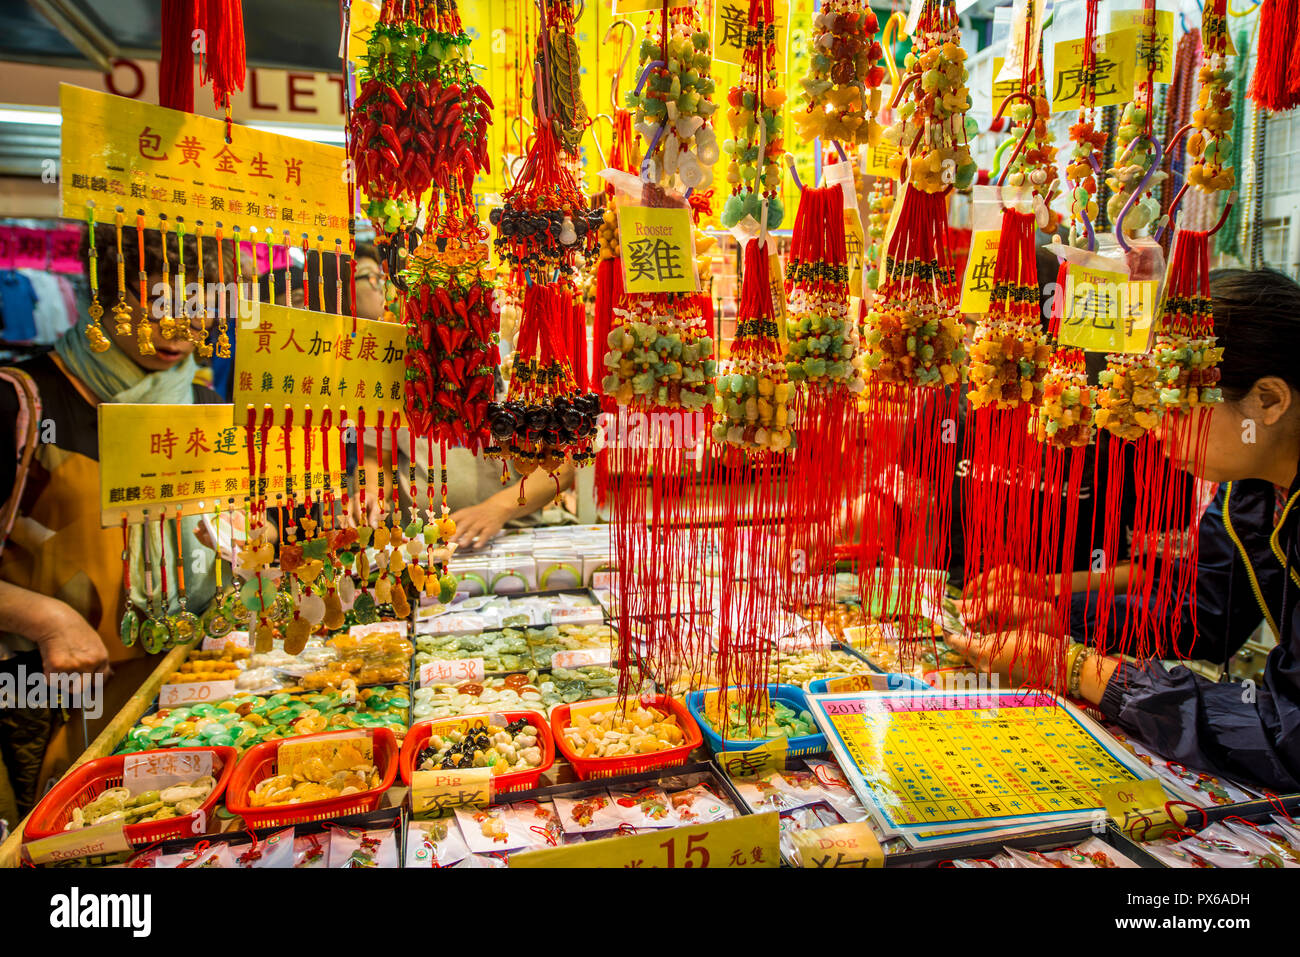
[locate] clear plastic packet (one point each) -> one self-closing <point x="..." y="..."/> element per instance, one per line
<point x="1174" y="854"/>
<point x="700" y="805"/>
<point x="810" y="817"/>
<point x="592" y="814"/>
<point x="1259" y="839"/>
<point x="311" y="850"/>
<point x="491" y="829"/>
<point x="275" y="851"/>
<point x="996" y="861"/>
<point x="769" y="792"/>
<point x="435" y="843"/>
<point x="648" y="807"/>
<point x="1287" y="830"/>
<point x="540" y="822"/>
<point x="492" y="860"/>
<point x="214" y="855"/>
<point x="837" y="789"/>
<point x="362" y="848"/>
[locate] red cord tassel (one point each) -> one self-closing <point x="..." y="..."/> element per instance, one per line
<point x="1276" y="83"/>
<point x="222" y="22"/>
<point x="176" y="65"/>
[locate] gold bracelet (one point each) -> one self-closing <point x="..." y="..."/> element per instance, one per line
<point x="1070" y="657"/>
<point x="1076" y="671"/>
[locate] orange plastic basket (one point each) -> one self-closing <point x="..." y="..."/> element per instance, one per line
<point x="83" y="784"/>
<point x="259" y="763"/>
<point x="587" y="768"/>
<point x="419" y="735"/>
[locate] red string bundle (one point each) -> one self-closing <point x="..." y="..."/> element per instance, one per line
<point x="176" y="60"/>
<point x="1276" y="83"/>
<point x="222" y="22"/>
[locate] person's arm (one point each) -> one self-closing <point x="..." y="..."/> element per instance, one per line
<point x="478" y="524"/>
<point x="67" y="642"/>
<point x="1091" y="581"/>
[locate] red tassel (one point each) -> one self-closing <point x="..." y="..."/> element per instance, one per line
<point x="1276" y="83"/>
<point x="176" y="66"/>
<point x="222" y="22"/>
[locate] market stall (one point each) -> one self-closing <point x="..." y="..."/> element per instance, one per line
<point x="894" y="534"/>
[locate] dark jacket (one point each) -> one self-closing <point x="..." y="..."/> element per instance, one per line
<point x="1244" y="732"/>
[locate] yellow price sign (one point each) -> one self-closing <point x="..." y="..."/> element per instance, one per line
<point x="1114" y="71"/>
<point x="437" y="792"/>
<point x="1158" y="49"/>
<point x="751" y="840"/>
<point x="840" y="845"/>
<point x="151" y="455"/>
<point x="1142" y="809"/>
<point x="731" y="23"/>
<point x="862" y="682"/>
<point x="855" y="246"/>
<point x="299" y="358"/>
<point x="293" y="755"/>
<point x="977" y="284"/>
<point x="1002" y="88"/>
<point x="878" y="158"/>
<point x="768" y="756"/>
<point x="93" y="841"/>
<point x="117" y="151"/>
<point x="658" y="249"/>
<point x="1105" y="311"/>
<point x="361" y="23"/>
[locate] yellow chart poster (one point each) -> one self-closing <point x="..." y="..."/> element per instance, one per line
<point x="121" y="152"/>
<point x="299" y="358"/>
<point x="153" y="455"/>
<point x="938" y="767"/>
<point x="1114" y="66"/>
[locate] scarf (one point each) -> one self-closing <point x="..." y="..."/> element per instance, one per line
<point x="113" y="377"/>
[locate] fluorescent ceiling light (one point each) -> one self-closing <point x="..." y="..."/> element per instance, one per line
<point x="318" y="134"/>
<point x="30" y="115"/>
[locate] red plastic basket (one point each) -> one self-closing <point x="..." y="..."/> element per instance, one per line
<point x="88" y="781"/>
<point x="587" y="768"/>
<point x="259" y="763"/>
<point x="419" y="735"/>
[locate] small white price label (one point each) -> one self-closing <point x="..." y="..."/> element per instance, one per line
<point x="380" y="628"/>
<point x="451" y="672"/>
<point x="582" y="657"/>
<point x="194" y="692"/>
<point x="580" y="615"/>
<point x="603" y="580"/>
<point x="235" y="639"/>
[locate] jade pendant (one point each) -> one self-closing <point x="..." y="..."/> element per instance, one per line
<point x="154" y="636"/>
<point x="364" y="608"/>
<point x="129" y="630"/>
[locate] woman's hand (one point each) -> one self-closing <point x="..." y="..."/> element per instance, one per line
<point x="1022" y="657"/>
<point x="68" y="644"/>
<point x="1007" y="599"/>
<point x="479" y="524"/>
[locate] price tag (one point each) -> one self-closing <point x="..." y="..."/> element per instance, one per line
<point x="603" y="580"/>
<point x="155" y="770"/>
<point x="577" y="615"/>
<point x="380" y="628"/>
<point x="437" y="792"/>
<point x="658" y="249"/>
<point x="1142" y="809"/>
<point x="1105" y="311"/>
<point x="235" y="639"/>
<point x="862" y="682"/>
<point x="747" y="841"/>
<point x="582" y="657"/>
<point x="768" y="756"/>
<point x="977" y="285"/>
<point x="840" y="845"/>
<point x="451" y="672"/>
<point x="70" y="845"/>
<point x="194" y="692"/>
<point x="1116" y="56"/>
<point x="293" y="754"/>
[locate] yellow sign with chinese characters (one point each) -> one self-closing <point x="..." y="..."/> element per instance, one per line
<point x="299" y="358"/>
<point x="636" y="6"/>
<point x="977" y="285"/>
<point x="153" y="455"/>
<point x="731" y="22"/>
<point x="751" y="840"/>
<point x="1114" y="69"/>
<point x="437" y="792"/>
<point x="1002" y="88"/>
<point x="121" y="152"/>
<point x="855" y="246"/>
<point x="853" y="844"/>
<point x="768" y="756"/>
<point x="1142" y="809"/>
<point x="878" y="158"/>
<point x="658" y="249"/>
<point x="1161" y="51"/>
<point x="1105" y="311"/>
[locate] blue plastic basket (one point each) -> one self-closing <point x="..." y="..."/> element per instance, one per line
<point x="893" y="681"/>
<point x="791" y="696"/>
